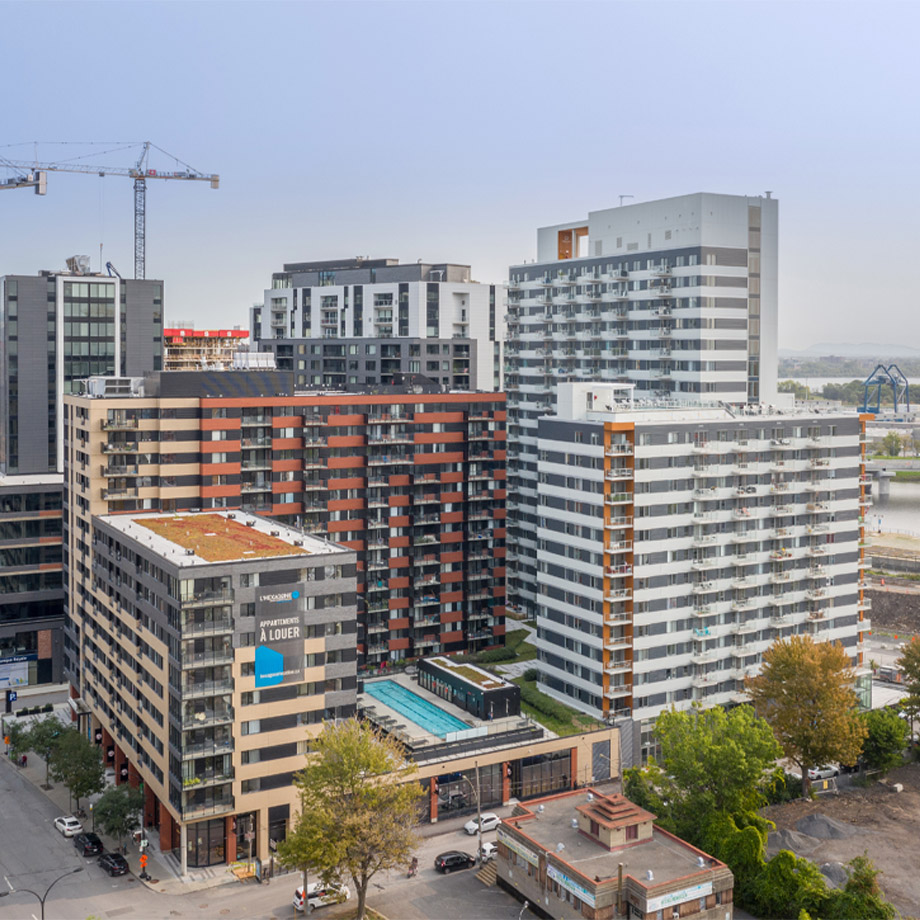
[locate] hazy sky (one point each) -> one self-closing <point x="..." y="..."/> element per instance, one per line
<point x="450" y="131"/>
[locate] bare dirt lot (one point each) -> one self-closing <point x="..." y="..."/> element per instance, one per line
<point x="883" y="824"/>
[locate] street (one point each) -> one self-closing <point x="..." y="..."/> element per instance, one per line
<point x="33" y="854"/>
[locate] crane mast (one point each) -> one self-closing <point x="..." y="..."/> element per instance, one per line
<point x="35" y="175"/>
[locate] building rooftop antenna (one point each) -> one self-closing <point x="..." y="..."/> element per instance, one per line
<point x="621" y="197"/>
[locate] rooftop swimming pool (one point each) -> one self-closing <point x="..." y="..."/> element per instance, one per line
<point x="414" y="708"/>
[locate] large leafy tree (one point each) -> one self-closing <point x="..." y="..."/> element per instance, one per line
<point x="77" y="763"/>
<point x="861" y="896"/>
<point x="909" y="663"/>
<point x="19" y="739"/>
<point x="886" y="738"/>
<point x="358" y="807"/>
<point x="805" y="692"/>
<point x="711" y="761"/>
<point x="118" y="810"/>
<point x="43" y="738"/>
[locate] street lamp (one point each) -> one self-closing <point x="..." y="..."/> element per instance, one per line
<point x="42" y="899"/>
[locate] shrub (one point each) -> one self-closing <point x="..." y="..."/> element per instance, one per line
<point x="496" y="654"/>
<point x="532" y="674"/>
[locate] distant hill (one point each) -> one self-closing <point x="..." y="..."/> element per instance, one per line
<point x="846" y="350"/>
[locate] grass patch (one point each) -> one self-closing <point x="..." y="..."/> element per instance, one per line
<point x="523" y="651"/>
<point x="907" y="476"/>
<point x="557" y="717"/>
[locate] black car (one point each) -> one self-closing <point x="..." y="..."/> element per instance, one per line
<point x="452" y="860"/>
<point x="113" y="863"/>
<point x="88" y="844"/>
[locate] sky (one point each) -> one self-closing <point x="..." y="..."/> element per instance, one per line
<point x="451" y="131"/>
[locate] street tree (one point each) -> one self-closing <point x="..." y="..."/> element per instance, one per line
<point x="19" y="739"/>
<point x="359" y="806"/>
<point x="43" y="738"/>
<point x="77" y="763"/>
<point x="805" y="692"/>
<point x="118" y="811"/>
<point x="712" y="760"/>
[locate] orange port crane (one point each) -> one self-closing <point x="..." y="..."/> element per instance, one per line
<point x="33" y="175"/>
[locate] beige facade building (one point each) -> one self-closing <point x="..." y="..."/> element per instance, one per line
<point x="204" y="650"/>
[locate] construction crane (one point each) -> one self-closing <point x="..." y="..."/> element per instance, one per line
<point x="34" y="176"/>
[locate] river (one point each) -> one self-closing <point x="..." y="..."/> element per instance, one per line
<point x="900" y="512"/>
<point x="816" y="383"/>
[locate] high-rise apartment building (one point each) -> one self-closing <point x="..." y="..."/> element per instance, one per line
<point x="31" y="586"/>
<point x="414" y="483"/>
<point x="677" y="544"/>
<point x="676" y="296"/>
<point x="58" y="328"/>
<point x="188" y="349"/>
<point x="204" y="651"/>
<point x="423" y="318"/>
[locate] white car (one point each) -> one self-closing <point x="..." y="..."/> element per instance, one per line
<point x="68" y="825"/>
<point x="319" y="894"/>
<point x="490" y="821"/>
<point x="828" y="771"/>
<point x="489" y="851"/>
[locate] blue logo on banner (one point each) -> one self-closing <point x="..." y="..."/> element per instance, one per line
<point x="295" y="595"/>
<point x="269" y="666"/>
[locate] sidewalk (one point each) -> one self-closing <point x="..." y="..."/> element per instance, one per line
<point x="163" y="868"/>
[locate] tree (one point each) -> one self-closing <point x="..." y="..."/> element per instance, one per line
<point x="799" y="390"/>
<point x="77" y="763"/>
<point x="358" y="807"/>
<point x="788" y="885"/>
<point x="886" y="738"/>
<point x="909" y="664"/>
<point x="43" y="737"/>
<point x="118" y="810"/>
<point x="860" y="896"/>
<point x="19" y="739"/>
<point x="805" y="692"/>
<point x="891" y="444"/>
<point x="712" y="760"/>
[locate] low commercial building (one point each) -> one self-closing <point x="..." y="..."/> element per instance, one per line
<point x="207" y="650"/>
<point x="583" y="854"/>
<point x="465" y="761"/>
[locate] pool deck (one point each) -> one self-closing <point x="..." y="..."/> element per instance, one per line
<point x="394" y="722"/>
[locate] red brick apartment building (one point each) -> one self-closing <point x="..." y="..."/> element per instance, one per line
<point x="414" y="482"/>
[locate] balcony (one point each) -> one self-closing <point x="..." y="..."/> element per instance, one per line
<point x="120" y="447"/>
<point x="618" y="571"/>
<point x="110" y="494"/>
<point x="618" y="450"/>
<point x="619" y="666"/>
<point x="618" y="498"/>
<point x="703" y="565"/>
<point x="615" y="523"/>
<point x="704" y="680"/>
<point x="705" y="539"/>
<point x="618" y="546"/>
<point x="119" y="424"/>
<point x="116" y="471"/>
<point x="702" y="587"/>
<point x="705" y="610"/>
<point x="619" y="473"/>
<point x="614" y="596"/>
<point x="198" y="689"/>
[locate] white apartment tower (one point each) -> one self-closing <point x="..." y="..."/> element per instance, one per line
<point x="376" y="319"/>
<point x="676" y="544"/>
<point x="677" y="297"/>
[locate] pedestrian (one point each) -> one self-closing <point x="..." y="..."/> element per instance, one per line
<point x="24" y="761"/>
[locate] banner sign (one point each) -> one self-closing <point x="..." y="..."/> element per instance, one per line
<point x="678" y="897"/>
<point x="515" y="847"/>
<point x="14" y="671"/>
<point x="279" y="636"/>
<point x="578" y="890"/>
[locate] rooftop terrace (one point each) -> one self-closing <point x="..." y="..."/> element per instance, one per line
<point x="193" y="539"/>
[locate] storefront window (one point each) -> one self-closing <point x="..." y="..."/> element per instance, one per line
<point x="206" y="843"/>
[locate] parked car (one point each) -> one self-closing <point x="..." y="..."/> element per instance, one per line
<point x="489" y="821"/>
<point x="319" y="894"/>
<point x="828" y="771"/>
<point x="489" y="852"/>
<point x="88" y="844"/>
<point x="68" y="825"/>
<point x="113" y="863"/>
<point x="453" y="860"/>
<point x="447" y="800"/>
